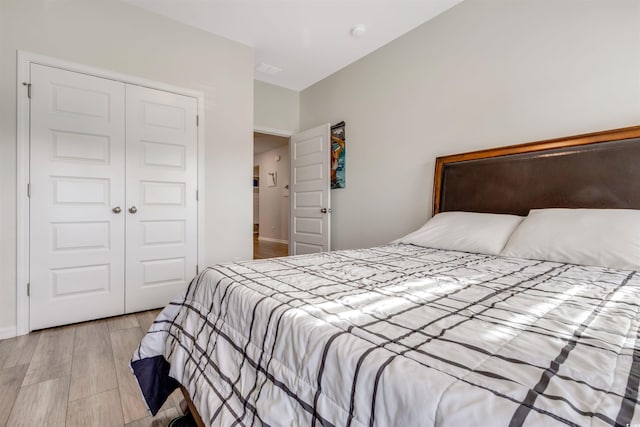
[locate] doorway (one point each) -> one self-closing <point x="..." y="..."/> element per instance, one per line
<point x="271" y="171"/>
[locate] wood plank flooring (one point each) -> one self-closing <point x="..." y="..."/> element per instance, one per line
<point x="262" y="249"/>
<point x="78" y="375"/>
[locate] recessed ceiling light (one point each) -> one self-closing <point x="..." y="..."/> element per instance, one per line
<point x="268" y="69"/>
<point x="358" y="30"/>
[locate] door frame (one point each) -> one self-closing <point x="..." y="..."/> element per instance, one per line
<point x="270" y="131"/>
<point x="24" y="61"/>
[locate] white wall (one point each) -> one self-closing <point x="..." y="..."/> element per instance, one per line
<point x="486" y="73"/>
<point x="115" y="36"/>
<point x="274" y="206"/>
<point x="275" y="107"/>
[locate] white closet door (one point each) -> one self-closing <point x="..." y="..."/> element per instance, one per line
<point x="161" y="212"/>
<point x="77" y="165"/>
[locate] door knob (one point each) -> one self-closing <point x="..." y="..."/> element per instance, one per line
<point x="325" y="210"/>
<point x="116" y="210"/>
<point x="133" y="209"/>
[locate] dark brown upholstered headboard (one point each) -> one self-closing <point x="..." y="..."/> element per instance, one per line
<point x="597" y="170"/>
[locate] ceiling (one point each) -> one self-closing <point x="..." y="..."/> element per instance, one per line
<point x="307" y="39"/>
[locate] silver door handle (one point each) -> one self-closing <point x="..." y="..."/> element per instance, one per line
<point x="133" y="209"/>
<point x="116" y="210"/>
<point x="325" y="210"/>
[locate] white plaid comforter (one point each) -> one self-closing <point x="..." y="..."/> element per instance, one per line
<point x="401" y="335"/>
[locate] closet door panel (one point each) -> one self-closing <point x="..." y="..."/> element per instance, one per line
<point x="77" y="178"/>
<point x="161" y="212"/>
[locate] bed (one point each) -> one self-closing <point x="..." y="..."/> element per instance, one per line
<point x="428" y="334"/>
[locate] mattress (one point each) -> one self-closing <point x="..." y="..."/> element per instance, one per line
<point x="400" y="335"/>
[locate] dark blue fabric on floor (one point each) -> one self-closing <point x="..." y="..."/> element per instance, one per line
<point x="154" y="380"/>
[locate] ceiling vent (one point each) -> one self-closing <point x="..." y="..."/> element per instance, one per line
<point x="268" y="69"/>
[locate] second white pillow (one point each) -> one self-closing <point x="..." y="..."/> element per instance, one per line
<point x="600" y="237"/>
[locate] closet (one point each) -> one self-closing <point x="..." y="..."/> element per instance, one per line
<point x="113" y="196"/>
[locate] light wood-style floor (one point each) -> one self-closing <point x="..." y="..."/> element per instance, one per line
<point x="78" y="375"/>
<point x="262" y="249"/>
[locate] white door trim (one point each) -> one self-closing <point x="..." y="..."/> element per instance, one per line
<point x="24" y="61"/>
<point x="270" y="131"/>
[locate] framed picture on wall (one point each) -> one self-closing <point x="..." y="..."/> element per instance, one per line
<point x="338" y="154"/>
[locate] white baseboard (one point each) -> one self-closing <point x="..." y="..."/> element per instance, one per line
<point x="8" y="332"/>
<point x="269" y="239"/>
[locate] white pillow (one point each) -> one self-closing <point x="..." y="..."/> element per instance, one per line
<point x="601" y="237"/>
<point x="465" y="231"/>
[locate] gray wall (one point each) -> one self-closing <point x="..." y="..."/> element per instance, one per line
<point x="275" y="107"/>
<point x="486" y="73"/>
<point x="115" y="36"/>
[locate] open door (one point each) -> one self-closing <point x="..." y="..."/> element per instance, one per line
<point x="310" y="191"/>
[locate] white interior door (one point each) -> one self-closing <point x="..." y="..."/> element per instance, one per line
<point x="161" y="205"/>
<point x="77" y="184"/>
<point x="310" y="191"/>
